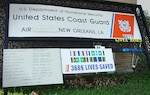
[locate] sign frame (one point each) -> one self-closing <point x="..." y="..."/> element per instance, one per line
<point x="132" y="11"/>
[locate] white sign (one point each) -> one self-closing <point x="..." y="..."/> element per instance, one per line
<point x="87" y="60"/>
<point x="26" y="67"/>
<point x="33" y="20"/>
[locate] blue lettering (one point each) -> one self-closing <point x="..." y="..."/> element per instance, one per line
<point x="91" y="67"/>
<point x="77" y="67"/>
<point x="106" y="66"/>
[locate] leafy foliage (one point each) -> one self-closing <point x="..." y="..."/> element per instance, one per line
<point x="148" y="21"/>
<point x="95" y="81"/>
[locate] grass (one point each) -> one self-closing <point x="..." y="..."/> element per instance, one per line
<point x="137" y="83"/>
<point x="1" y="92"/>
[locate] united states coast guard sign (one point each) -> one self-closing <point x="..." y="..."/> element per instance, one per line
<point x="35" y="20"/>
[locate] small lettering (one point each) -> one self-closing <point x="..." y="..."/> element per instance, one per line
<point x="130" y="40"/>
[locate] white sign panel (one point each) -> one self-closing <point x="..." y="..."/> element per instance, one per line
<point x="26" y="67"/>
<point x="87" y="60"/>
<point x="33" y="20"/>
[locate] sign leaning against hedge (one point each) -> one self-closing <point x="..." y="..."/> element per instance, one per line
<point x="37" y="20"/>
<point x="87" y="61"/>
